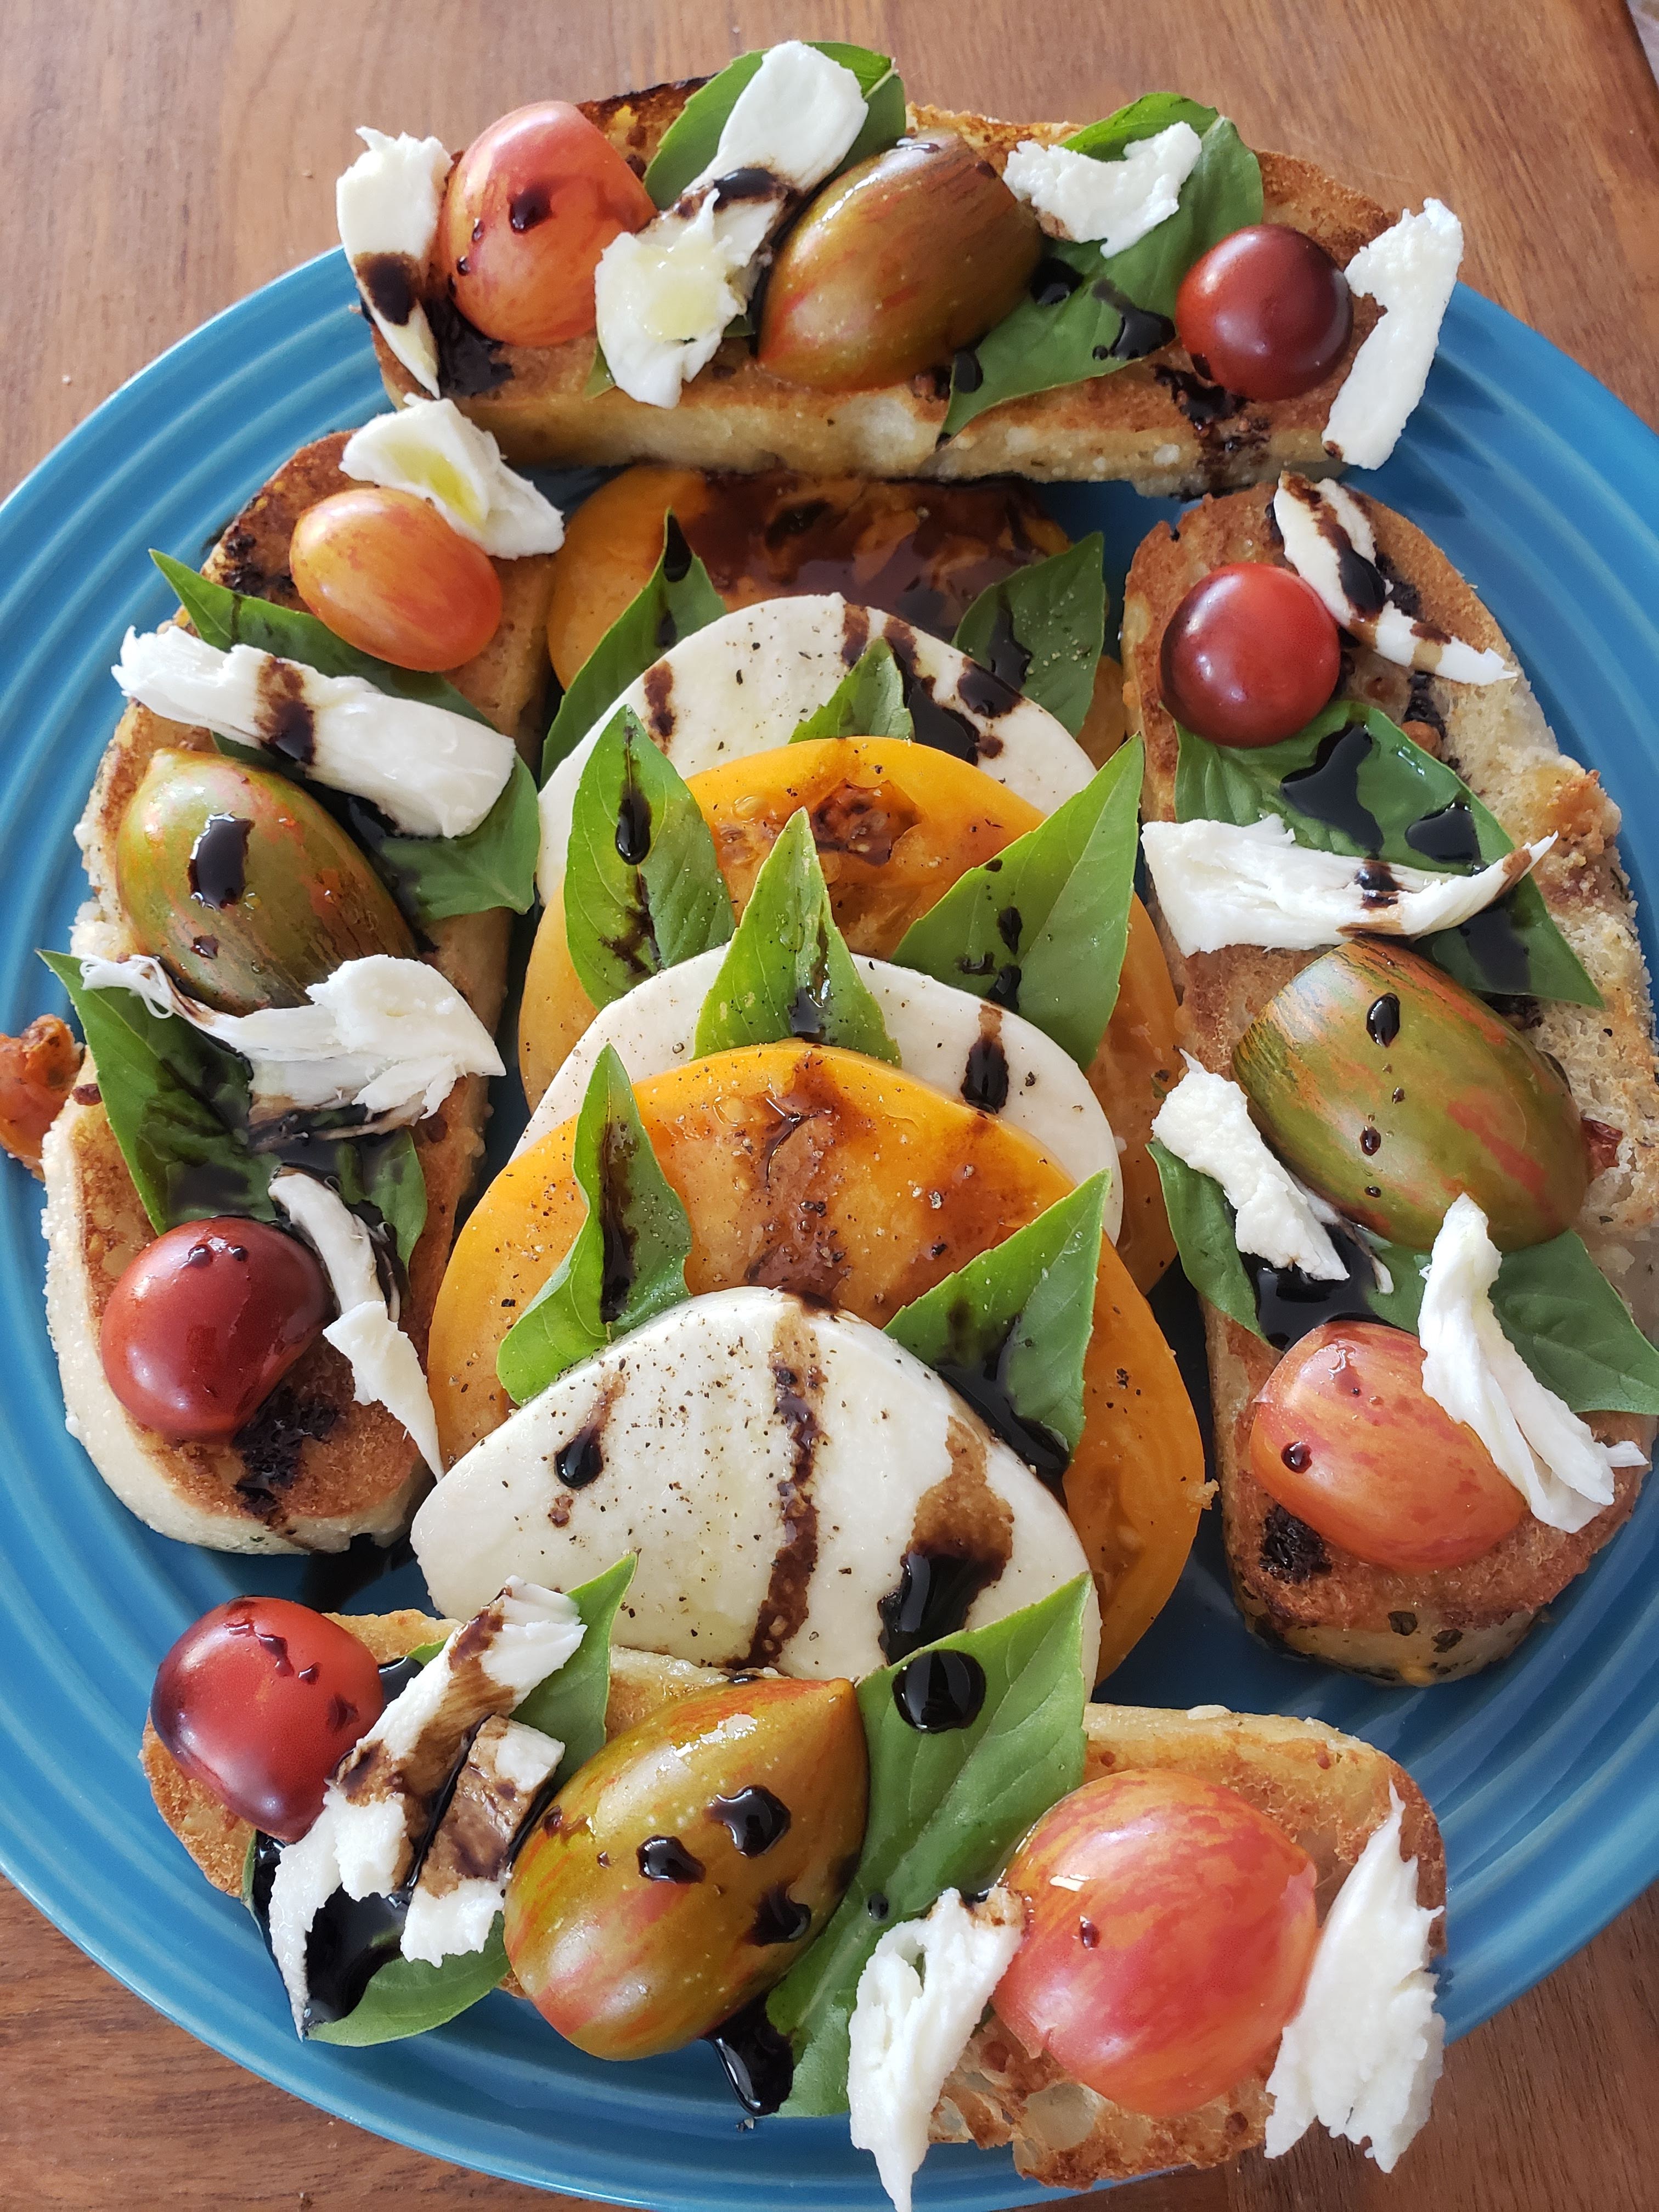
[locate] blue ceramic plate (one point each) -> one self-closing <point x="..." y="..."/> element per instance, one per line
<point x="1545" y="1772"/>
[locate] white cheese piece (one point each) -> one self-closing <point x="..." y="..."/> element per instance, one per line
<point x="433" y="773"/>
<point x="1206" y="1121"/>
<point x="1409" y="271"/>
<point x="653" y="1030"/>
<point x="1328" y="537"/>
<point x="386" y="1367"/>
<point x="307" y="1875"/>
<point x="692" y="1436"/>
<point x="462" y="1884"/>
<point x="1116" y="202"/>
<point x="664" y="295"/>
<point x="919" y="1997"/>
<point x="429" y="448"/>
<point x="1362" y="2052"/>
<point x="1471" y="1368"/>
<point x="745" y="683"/>
<point x="391" y="1037"/>
<point x="1223" y="883"/>
<point x="386" y="207"/>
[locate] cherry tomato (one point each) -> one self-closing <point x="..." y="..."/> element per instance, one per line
<point x="1250" y="656"/>
<point x="259" y="1701"/>
<point x="1169" y="1928"/>
<point x="1266" y="313"/>
<point x="207" y="1321"/>
<point x="1347" y="1439"/>
<point x="529" y="207"/>
<point x="387" y="573"/>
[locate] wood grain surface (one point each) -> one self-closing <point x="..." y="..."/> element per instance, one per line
<point x="160" y="160"/>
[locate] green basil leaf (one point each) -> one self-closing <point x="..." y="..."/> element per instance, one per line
<point x="1375" y="778"/>
<point x="1201" y="1223"/>
<point x="1010" y="1331"/>
<point x="690" y="142"/>
<point x="407" y="1996"/>
<point x="945" y="1812"/>
<point x="628" y="918"/>
<point x="1043" y="628"/>
<point x="385" y="1173"/>
<point x="787" y="972"/>
<point x="867" y="703"/>
<point x="493" y="866"/>
<point x="678" y="599"/>
<point x="569" y="1705"/>
<point x="224" y="618"/>
<point x="628" y="1263"/>
<point x="1042" y="928"/>
<point x="1040" y="346"/>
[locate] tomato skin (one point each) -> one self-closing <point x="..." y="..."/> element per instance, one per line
<point x="390" y="576"/>
<point x="1266" y="311"/>
<point x="1249" y="656"/>
<point x="529" y="209"/>
<point x="1169" y="1929"/>
<point x="206" y="1321"/>
<point x="259" y="1701"/>
<point x="1347" y="1439"/>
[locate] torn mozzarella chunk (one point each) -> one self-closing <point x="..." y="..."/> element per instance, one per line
<point x="1116" y="202"/>
<point x="433" y="773"/>
<point x="1330" y="542"/>
<point x="1409" y="271"/>
<point x="462" y="1884"/>
<point x="664" y="295"/>
<point x="307" y="1875"/>
<point x="943" y="1036"/>
<point x="387" y="206"/>
<point x="386" y="1367"/>
<point x="1471" y="1368"/>
<point x="429" y="448"/>
<point x="919" y="1997"/>
<point x="1206" y="1121"/>
<point x="391" y="1037"/>
<point x="1224" y="883"/>
<point x="1362" y="2052"/>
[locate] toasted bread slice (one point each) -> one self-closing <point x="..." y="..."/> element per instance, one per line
<point x="1293" y="1588"/>
<point x="1146" y="422"/>
<point x="317" y="1467"/>
<point x="1327" y="1791"/>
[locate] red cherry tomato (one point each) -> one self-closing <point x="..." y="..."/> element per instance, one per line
<point x="1169" y="1928"/>
<point x="1266" y="313"/>
<point x="387" y="573"/>
<point x="260" y="1701"/>
<point x="1347" y="1439"/>
<point x="529" y="207"/>
<point x="1250" y="656"/>
<point x="207" y="1321"/>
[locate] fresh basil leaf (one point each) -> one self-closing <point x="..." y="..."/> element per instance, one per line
<point x="385" y="1173"/>
<point x="1369" y="787"/>
<point x="643" y="889"/>
<point x="1201" y="1223"/>
<point x="787" y="972"/>
<point x="1042" y="629"/>
<point x="1010" y="1330"/>
<point x="224" y="618"/>
<point x="176" y="1102"/>
<point x="628" y="1263"/>
<point x="945" y="1812"/>
<point x="690" y="143"/>
<point x="1057" y="335"/>
<point x="1041" y="929"/>
<point x="493" y="866"/>
<point x="867" y="703"/>
<point x="677" y="600"/>
<point x="407" y="1996"/>
<point x="569" y="1705"/>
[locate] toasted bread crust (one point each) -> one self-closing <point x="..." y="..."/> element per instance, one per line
<point x="736" y="416"/>
<point x="1420" y="1627"/>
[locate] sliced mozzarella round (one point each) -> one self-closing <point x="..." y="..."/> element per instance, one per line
<point x="772" y="1465"/>
<point x="947" y="1038"/>
<point x="744" y="684"/>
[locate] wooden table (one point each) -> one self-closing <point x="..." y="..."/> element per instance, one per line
<point x="160" y="160"/>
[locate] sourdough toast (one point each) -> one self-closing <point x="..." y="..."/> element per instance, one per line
<point x="315" y="1468"/>
<point x="1149" y="421"/>
<point x="1291" y="1586"/>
